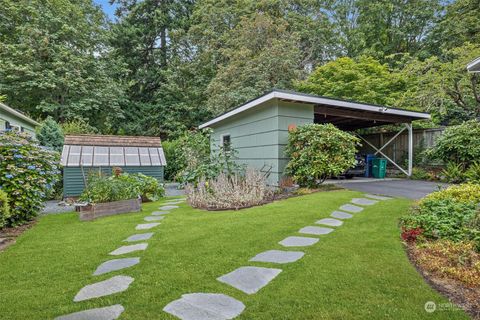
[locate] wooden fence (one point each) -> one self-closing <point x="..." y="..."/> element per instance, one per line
<point x="397" y="150"/>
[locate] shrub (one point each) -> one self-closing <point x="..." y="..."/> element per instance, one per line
<point x="175" y="163"/>
<point x="50" y="134"/>
<point x="4" y="209"/>
<point x="466" y="192"/>
<point x="78" y="126"/>
<point x="147" y="187"/>
<point x="194" y="147"/>
<point x="27" y="174"/>
<point x="318" y="151"/>
<point x="473" y="173"/>
<point x="459" y="144"/>
<point x="411" y="235"/>
<point x="453" y="173"/>
<point x="229" y="191"/>
<point x="420" y="174"/>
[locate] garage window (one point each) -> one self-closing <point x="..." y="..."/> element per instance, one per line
<point x="226" y="142"/>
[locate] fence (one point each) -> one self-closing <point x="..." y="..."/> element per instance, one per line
<point x="397" y="150"/>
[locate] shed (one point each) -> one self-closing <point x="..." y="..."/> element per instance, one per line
<point x="11" y="119"/>
<point x="258" y="129"/>
<point x="85" y="153"/>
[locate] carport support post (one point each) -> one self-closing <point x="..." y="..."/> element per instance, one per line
<point x="410" y="148"/>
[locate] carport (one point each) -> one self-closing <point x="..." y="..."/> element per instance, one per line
<point x="259" y="128"/>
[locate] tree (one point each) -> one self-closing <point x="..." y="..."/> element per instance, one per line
<point x="53" y="61"/>
<point x="364" y="79"/>
<point x="50" y="134"/>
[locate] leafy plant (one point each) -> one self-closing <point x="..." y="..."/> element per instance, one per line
<point x="318" y="151"/>
<point x="4" y="208"/>
<point x="28" y="172"/>
<point x="467" y="192"/>
<point x="50" y="134"/>
<point x="101" y="189"/>
<point x="453" y="173"/>
<point x="147" y="187"/>
<point x="473" y="173"/>
<point x="411" y="235"/>
<point x="419" y="173"/>
<point x="78" y="126"/>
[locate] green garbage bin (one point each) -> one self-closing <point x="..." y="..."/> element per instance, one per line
<point x="379" y="168"/>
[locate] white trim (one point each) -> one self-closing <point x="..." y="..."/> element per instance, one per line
<point x="18" y="114"/>
<point x="316" y="100"/>
<point x="474" y="64"/>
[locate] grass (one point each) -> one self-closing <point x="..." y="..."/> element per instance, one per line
<point x="358" y="271"/>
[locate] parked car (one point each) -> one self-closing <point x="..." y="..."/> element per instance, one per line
<point x="358" y="169"/>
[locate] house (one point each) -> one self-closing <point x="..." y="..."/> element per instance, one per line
<point x="83" y="154"/>
<point x="258" y="130"/>
<point x="11" y="119"/>
<point x="474" y="66"/>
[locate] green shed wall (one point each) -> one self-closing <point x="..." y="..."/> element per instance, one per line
<point x="259" y="135"/>
<point x="73" y="178"/>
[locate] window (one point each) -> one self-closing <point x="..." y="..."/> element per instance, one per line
<point x="226" y="142"/>
<point x="7" y="125"/>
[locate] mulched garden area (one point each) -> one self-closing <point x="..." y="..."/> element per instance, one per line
<point x="8" y="235"/>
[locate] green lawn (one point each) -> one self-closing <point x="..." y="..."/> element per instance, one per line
<point x="359" y="271"/>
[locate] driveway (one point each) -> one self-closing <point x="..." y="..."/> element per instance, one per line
<point x="412" y="189"/>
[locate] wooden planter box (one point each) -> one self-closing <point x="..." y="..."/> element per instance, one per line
<point x="93" y="211"/>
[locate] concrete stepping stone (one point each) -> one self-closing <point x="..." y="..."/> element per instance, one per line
<point x="341" y="215"/>
<point x="105" y="313"/>
<point x="377" y="197"/>
<point x="278" y="256"/>
<point x="351" y="208"/>
<point x="168" y="207"/>
<point x="249" y="279"/>
<point x="104" y="288"/>
<point x="153" y="218"/>
<point x="116" y="264"/>
<point x="146" y="226"/>
<point x="139" y="237"/>
<point x="159" y="213"/>
<point x="298" y="241"/>
<point x="205" y="306"/>
<point x="315" y="230"/>
<point x="363" y="201"/>
<point x="330" y="222"/>
<point x="129" y="248"/>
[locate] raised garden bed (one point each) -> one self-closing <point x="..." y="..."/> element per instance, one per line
<point x="93" y="211"/>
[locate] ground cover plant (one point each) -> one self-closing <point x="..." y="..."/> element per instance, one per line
<point x="28" y="174"/>
<point x="4" y="208"/>
<point x="358" y="271"/>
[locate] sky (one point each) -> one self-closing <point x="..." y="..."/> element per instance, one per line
<point x="107" y="8"/>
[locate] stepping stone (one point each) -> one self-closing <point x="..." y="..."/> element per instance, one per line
<point x="172" y="202"/>
<point x="153" y="218"/>
<point x="129" y="248"/>
<point x="351" y="208"/>
<point x="330" y="222"/>
<point x="377" y="197"/>
<point x="298" y="241"/>
<point x="105" y="313"/>
<point x="146" y="226"/>
<point x="139" y="237"/>
<point x="168" y="207"/>
<point x="315" y="230"/>
<point x="278" y="256"/>
<point x="341" y="215"/>
<point x="363" y="201"/>
<point x="249" y="279"/>
<point x="115" y="264"/>
<point x="159" y="213"/>
<point x="205" y="306"/>
<point x="104" y="288"/>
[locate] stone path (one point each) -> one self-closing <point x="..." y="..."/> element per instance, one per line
<point x="351" y="208"/>
<point x="129" y="248"/>
<point x="104" y="288"/>
<point x="106" y="313"/>
<point x="278" y="256"/>
<point x="250" y="279"/>
<point x="377" y="197"/>
<point x="168" y="207"/>
<point x="330" y="222"/>
<point x="121" y="283"/>
<point x="205" y="306"/>
<point x="116" y="264"/>
<point x="315" y="230"/>
<point x="298" y="241"/>
<point x="341" y="215"/>
<point x="364" y="201"/>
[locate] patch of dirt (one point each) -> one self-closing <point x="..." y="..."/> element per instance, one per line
<point x="8" y="235"/>
<point x="465" y="297"/>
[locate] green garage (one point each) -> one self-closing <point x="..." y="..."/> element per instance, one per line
<point x="83" y="154"/>
<point x="258" y="129"/>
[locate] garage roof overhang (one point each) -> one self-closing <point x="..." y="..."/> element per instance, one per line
<point x="347" y="115"/>
<point x="474" y="66"/>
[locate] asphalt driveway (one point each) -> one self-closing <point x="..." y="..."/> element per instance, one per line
<point x="411" y="189"/>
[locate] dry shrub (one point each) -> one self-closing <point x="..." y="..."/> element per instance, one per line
<point x="447" y="259"/>
<point x="230" y="192"/>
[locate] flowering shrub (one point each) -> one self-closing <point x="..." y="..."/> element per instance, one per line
<point x="28" y="172"/>
<point x="229" y="191"/>
<point x="4" y="208"/>
<point x="319" y="151"/>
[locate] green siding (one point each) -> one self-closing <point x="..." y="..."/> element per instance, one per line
<point x="260" y="134"/>
<point x="73" y="178"/>
<point x="13" y="120"/>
